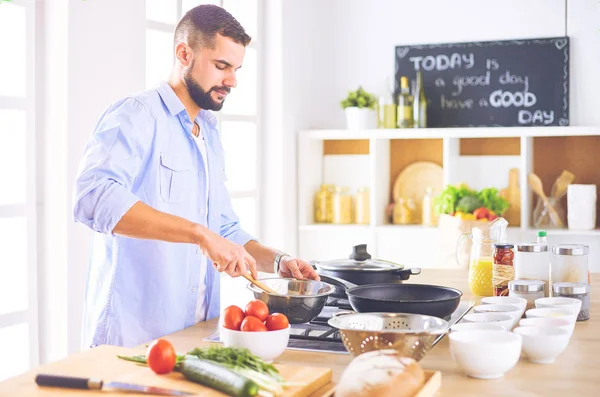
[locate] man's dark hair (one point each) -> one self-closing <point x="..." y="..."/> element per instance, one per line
<point x="201" y="24"/>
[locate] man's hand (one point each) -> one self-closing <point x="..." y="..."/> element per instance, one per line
<point x="291" y="267"/>
<point x="227" y="256"/>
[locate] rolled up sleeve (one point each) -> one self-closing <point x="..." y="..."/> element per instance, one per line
<point x="110" y="164"/>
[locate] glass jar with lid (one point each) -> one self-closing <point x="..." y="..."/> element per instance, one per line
<point x="569" y="263"/>
<point x="579" y="291"/>
<point x="323" y="205"/>
<point x="532" y="262"/>
<point x="527" y="289"/>
<point x="503" y="269"/>
<point x="342" y="206"/>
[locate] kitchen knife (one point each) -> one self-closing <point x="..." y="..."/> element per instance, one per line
<point x="97" y="384"/>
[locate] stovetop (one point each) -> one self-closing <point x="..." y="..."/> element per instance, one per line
<point x="318" y="336"/>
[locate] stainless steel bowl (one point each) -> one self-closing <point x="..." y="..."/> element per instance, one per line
<point x="300" y="300"/>
<point x="411" y="335"/>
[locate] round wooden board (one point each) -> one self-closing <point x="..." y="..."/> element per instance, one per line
<point x="414" y="180"/>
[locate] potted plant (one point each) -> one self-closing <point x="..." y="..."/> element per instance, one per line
<point x="360" y="111"/>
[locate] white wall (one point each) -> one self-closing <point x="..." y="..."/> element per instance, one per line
<point x="93" y="54"/>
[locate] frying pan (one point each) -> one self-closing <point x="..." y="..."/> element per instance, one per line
<point x="432" y="300"/>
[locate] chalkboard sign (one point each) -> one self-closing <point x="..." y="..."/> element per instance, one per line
<point x="493" y="83"/>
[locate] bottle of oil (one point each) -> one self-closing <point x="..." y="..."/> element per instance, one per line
<point x="405" y="112"/>
<point x="420" y="103"/>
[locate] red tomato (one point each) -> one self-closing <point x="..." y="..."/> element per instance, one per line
<point x="253" y="324"/>
<point x="161" y="356"/>
<point x="277" y="321"/>
<point x="258" y="309"/>
<point x="233" y="317"/>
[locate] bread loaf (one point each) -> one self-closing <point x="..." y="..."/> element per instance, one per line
<point x="381" y="373"/>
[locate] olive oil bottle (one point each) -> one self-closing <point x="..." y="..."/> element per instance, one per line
<point x="420" y="104"/>
<point x="405" y="109"/>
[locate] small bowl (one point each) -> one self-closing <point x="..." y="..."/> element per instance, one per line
<point x="485" y="354"/>
<point x="550" y="322"/>
<point x="462" y="326"/>
<point x="542" y="345"/>
<point x="513" y="311"/>
<point x="552" y="312"/>
<point x="267" y="345"/>
<point x="501" y="319"/>
<point x="505" y="300"/>
<point x="574" y="305"/>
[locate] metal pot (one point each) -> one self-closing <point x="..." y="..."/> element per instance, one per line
<point x="300" y="300"/>
<point x="360" y="269"/>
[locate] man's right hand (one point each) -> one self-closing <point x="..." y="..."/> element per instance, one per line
<point x="227" y="256"/>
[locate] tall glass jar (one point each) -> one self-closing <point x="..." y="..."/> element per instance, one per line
<point x="323" y="204"/>
<point x="532" y="262"/>
<point x="362" y="215"/>
<point x="342" y="206"/>
<point x="503" y="269"/>
<point x="569" y="263"/>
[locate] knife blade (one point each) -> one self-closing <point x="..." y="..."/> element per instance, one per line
<point x="97" y="384"/>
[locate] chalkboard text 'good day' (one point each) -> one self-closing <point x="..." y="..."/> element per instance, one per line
<point x="496" y="83"/>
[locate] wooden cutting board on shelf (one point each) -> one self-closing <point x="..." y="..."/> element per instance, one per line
<point x="102" y="363"/>
<point x="513" y="194"/>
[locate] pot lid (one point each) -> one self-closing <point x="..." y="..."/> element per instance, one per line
<point x="359" y="260"/>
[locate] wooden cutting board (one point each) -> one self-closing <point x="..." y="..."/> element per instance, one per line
<point x="102" y="362"/>
<point x="513" y="194"/>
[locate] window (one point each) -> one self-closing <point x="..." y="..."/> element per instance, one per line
<point x="18" y="293"/>
<point x="238" y="120"/>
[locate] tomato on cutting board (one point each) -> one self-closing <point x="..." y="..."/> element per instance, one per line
<point x="233" y="317"/>
<point x="253" y="324"/>
<point x="258" y="309"/>
<point x="161" y="356"/>
<point x="277" y="321"/>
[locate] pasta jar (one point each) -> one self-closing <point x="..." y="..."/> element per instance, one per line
<point x="579" y="291"/>
<point x="503" y="269"/>
<point x="527" y="289"/>
<point x="323" y="206"/>
<point x="569" y="263"/>
<point x="361" y="215"/>
<point x="342" y="206"/>
<point x="532" y="262"/>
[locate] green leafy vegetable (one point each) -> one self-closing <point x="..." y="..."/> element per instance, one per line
<point x="446" y="202"/>
<point x="490" y="199"/>
<point x="468" y="204"/>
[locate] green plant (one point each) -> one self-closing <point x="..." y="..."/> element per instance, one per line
<point x="359" y="99"/>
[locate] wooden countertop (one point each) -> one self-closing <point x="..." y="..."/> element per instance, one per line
<point x="572" y="374"/>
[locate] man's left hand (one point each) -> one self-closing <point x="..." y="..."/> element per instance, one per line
<point x="295" y="268"/>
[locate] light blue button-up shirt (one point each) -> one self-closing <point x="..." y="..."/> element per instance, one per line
<point x="142" y="150"/>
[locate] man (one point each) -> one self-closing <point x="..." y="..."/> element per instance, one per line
<point x="151" y="184"/>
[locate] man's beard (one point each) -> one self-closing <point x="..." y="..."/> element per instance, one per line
<point x="202" y="98"/>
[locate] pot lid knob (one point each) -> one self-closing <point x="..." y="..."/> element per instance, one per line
<point x="359" y="253"/>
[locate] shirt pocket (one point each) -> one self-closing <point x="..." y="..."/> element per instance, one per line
<point x="175" y="178"/>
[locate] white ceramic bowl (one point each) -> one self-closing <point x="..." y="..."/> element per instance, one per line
<point x="543" y="344"/>
<point x="550" y="322"/>
<point x="574" y="305"/>
<point x="462" y="326"/>
<point x="515" y="312"/>
<point x="485" y="354"/>
<point x="552" y="312"/>
<point x="267" y="345"/>
<point x="505" y="300"/>
<point x="501" y="319"/>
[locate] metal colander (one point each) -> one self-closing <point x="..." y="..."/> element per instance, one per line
<point x="412" y="335"/>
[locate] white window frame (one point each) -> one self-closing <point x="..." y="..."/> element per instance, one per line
<point x="28" y="209"/>
<point x="221" y="117"/>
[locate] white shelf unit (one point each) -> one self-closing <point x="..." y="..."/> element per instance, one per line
<point x="412" y="245"/>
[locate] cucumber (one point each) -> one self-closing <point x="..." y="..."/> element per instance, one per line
<point x="218" y="377"/>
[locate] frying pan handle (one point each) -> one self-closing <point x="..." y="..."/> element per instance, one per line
<point x="336" y="281"/>
<point x="405" y="274"/>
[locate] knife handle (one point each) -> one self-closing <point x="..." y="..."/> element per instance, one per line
<point x="68" y="381"/>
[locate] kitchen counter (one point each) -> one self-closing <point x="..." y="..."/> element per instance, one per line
<point x="573" y="372"/>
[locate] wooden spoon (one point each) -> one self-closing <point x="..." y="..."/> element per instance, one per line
<point x="562" y="184"/>
<point x="536" y="184"/>
<point x="260" y="284"/>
